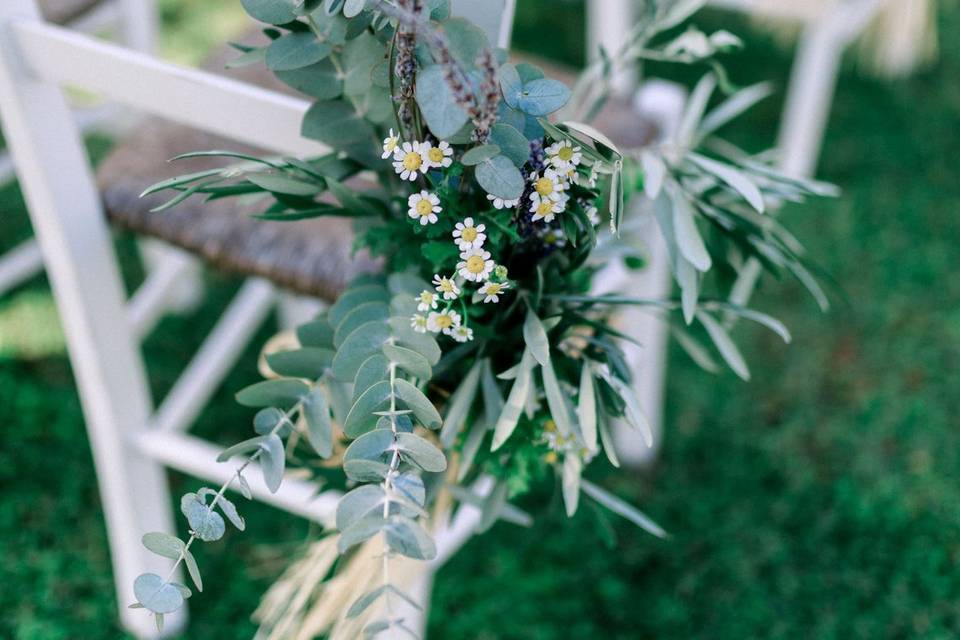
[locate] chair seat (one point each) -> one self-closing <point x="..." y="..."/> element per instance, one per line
<point x="66" y="11"/>
<point x="312" y="257"/>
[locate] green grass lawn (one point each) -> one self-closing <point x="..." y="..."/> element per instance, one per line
<point x="820" y="500"/>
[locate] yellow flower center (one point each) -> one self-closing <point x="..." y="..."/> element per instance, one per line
<point x="412" y="161"/>
<point x="391" y="144"/>
<point x="446" y="286"/>
<point x="544" y="186"/>
<point x="475" y="264"/>
<point x="469" y="234"/>
<point x="493" y="289"/>
<point x="444" y="321"/>
<point x="424" y="208"/>
<point x="544" y="208"/>
<point x="549" y="425"/>
<point x="426" y="297"/>
<point x="436" y="154"/>
<point x="565" y="153"/>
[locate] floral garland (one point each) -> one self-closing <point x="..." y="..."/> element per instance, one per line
<point x="488" y="221"/>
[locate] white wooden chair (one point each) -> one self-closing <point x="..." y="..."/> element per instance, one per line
<point x="132" y="440"/>
<point x="135" y="23"/>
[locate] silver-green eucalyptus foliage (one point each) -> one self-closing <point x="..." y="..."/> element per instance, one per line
<point x="488" y="220"/>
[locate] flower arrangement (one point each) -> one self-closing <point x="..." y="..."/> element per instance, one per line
<point x="479" y="351"/>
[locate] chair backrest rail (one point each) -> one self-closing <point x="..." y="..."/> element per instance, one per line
<point x="195" y="98"/>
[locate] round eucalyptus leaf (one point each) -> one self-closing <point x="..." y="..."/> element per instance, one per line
<point x="358" y="503"/>
<point x="499" y="177"/>
<point x="361" y="531"/>
<point x="438" y="104"/>
<point x="320" y="80"/>
<point x="373" y="370"/>
<point x="408" y="538"/>
<point x="316" y="413"/>
<point x="542" y="97"/>
<point x="421" y="452"/>
<point x="156" y="595"/>
<point x="529" y="72"/>
<point x="426" y="413"/>
<point x="316" y="333"/>
<point x="271" y="11"/>
<point x="164" y="544"/>
<point x="423" y="343"/>
<point x="354" y="297"/>
<point x="359" y="315"/>
<point x="230" y="510"/>
<point x="282" y="392"/>
<point x="267" y="419"/>
<point x="206" y="523"/>
<point x="412" y="487"/>
<point x="352" y="8"/>
<point x="512" y="143"/>
<point x="295" y="51"/>
<point x="408" y="360"/>
<point x="370" y="446"/>
<point x="510" y="85"/>
<point x="406" y="283"/>
<point x="365" y="470"/>
<point x="307" y="362"/>
<point x="362" y="343"/>
<point x="479" y="154"/>
<point x="361" y="418"/>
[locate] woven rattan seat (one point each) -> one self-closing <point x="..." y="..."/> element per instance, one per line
<point x="312" y="257"/>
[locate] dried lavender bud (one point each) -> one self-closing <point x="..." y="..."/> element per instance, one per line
<point x="490" y="96"/>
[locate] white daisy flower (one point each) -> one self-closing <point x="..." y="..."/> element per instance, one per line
<point x="500" y="203"/>
<point x="447" y="287"/>
<point x="549" y="185"/>
<point x="409" y="160"/>
<point x="593" y="216"/>
<point x="418" y="323"/>
<point x="564" y="156"/>
<point x="544" y="208"/>
<point x="467" y="235"/>
<point x="390" y="144"/>
<point x="437" y="156"/>
<point x="475" y="264"/>
<point x="462" y="334"/>
<point x="493" y="290"/>
<point x="426" y="300"/>
<point x="424" y="206"/>
<point x="554" y="238"/>
<point x="443" y="321"/>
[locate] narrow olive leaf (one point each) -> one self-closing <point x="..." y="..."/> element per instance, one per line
<point x="156" y="595"/>
<point x="616" y="198"/>
<point x="493" y="504"/>
<point x="316" y="415"/>
<point x="606" y="439"/>
<point x="685" y="230"/>
<point x="408" y="538"/>
<point x="375" y="628"/>
<point x="421" y="452"/>
<point x="163" y="544"/>
<point x="725" y="345"/>
<point x="282" y="392"/>
<point x="555" y="400"/>
<point x="516" y="401"/>
<point x="244" y="486"/>
<point x="621" y="508"/>
<point x="359" y="503"/>
<point x="364" y="601"/>
<point x="697" y="352"/>
<point x="460" y="403"/>
<point x="361" y="418"/>
<point x="760" y="318"/>
<point x="409" y="360"/>
<point x="535" y="337"/>
<point x="633" y="413"/>
<point x="587" y="408"/>
<point x="272" y="460"/>
<point x="230" y="510"/>
<point x="572" y="469"/>
<point x="193" y="569"/>
<point x="247" y="446"/>
<point x="426" y="413"/>
<point x="284" y="184"/>
<point x="492" y="397"/>
<point x="736" y="179"/>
